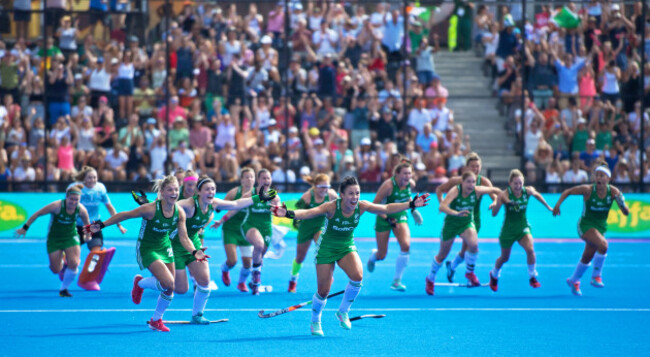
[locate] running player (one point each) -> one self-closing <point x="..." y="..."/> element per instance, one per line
<point x="199" y="211"/>
<point x="336" y="244"/>
<point x="309" y="229"/>
<point x="154" y="248"/>
<point x="62" y="239"/>
<point x="515" y="226"/>
<point x="394" y="190"/>
<point x="232" y="235"/>
<point x="93" y="194"/>
<point x="598" y="198"/>
<point x="460" y="205"/>
<point x="473" y="163"/>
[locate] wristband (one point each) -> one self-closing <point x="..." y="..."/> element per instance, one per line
<point x="101" y="224"/>
<point x="25" y="227"/>
<point x="290" y="214"/>
<point x="194" y="252"/>
<point x="256" y="199"/>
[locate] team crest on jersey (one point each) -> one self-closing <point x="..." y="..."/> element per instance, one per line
<point x="472" y="199"/>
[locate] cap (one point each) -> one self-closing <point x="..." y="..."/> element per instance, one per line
<point x="582" y="121"/>
<point x="297" y="6"/>
<point x="365" y="141"/>
<point x="591" y="141"/>
<point x="133" y="39"/>
<point x="508" y="21"/>
<point x="266" y="40"/>
<point x="387" y="110"/>
<point x="198" y="118"/>
<point x="277" y="159"/>
<point x="348" y="159"/>
<point x="179" y="119"/>
<point x="103" y="99"/>
<point x="216" y="11"/>
<point x="100" y="60"/>
<point x="114" y="61"/>
<point x="615" y="7"/>
<point x="293" y="130"/>
<point x="151" y="121"/>
<point x="314" y="132"/>
<point x="440" y="170"/>
<point x="420" y="166"/>
<point x="304" y="171"/>
<point x="272" y="122"/>
<point x="318" y="141"/>
<point x="78" y="76"/>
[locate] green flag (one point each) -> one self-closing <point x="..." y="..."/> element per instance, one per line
<point x="567" y="19"/>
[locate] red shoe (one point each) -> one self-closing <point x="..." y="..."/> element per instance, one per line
<point x="158" y="325"/>
<point x="429" y="286"/>
<point x="597" y="282"/>
<point x="292" y="286"/>
<point x="242" y="287"/>
<point x="494" y="283"/>
<point x="575" y="287"/>
<point x="225" y="277"/>
<point x="534" y="283"/>
<point x="472" y="279"/>
<point x="136" y="293"/>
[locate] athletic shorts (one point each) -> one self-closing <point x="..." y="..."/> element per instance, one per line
<point x="234" y="237"/>
<point x="96" y="240"/>
<point x="584" y="226"/>
<point x="147" y="255"/>
<point x="306" y="235"/>
<point x="182" y="257"/>
<point x="61" y="243"/>
<point x="382" y="225"/>
<point x="510" y="235"/>
<point x="325" y="255"/>
<point x="451" y="231"/>
<point x="266" y="231"/>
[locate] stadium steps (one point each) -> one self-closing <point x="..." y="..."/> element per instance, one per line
<point x="474" y="108"/>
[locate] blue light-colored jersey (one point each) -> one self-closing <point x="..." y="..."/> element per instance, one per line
<point x="92" y="199"/>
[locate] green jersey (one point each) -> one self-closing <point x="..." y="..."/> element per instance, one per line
<point x="398" y="196"/>
<point x="595" y="211"/>
<point x="235" y="222"/>
<point x="159" y="228"/>
<point x="259" y="214"/>
<point x="477" y="207"/>
<point x="516" y="213"/>
<point x="309" y="227"/>
<point x="63" y="224"/>
<point x="337" y="236"/>
<point x="199" y="220"/>
<point x="461" y="203"/>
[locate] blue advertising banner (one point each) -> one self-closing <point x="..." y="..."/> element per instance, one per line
<point x="15" y="209"/>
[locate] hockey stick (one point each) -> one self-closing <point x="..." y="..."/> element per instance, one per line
<point x="459" y="285"/>
<point x="189" y="322"/>
<point x="262" y="315"/>
<point x="366" y="317"/>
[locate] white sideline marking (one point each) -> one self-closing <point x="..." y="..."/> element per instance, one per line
<point x="270" y="263"/>
<point x="393" y="309"/>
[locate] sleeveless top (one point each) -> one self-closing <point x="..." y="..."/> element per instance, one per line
<point x="199" y="220"/>
<point x="158" y="229"/>
<point x="596" y="209"/>
<point x="235" y="222"/>
<point x="461" y="203"/>
<point x="317" y="222"/>
<point x="338" y="232"/>
<point x="398" y="195"/>
<point x="63" y="224"/>
<point x="516" y="215"/>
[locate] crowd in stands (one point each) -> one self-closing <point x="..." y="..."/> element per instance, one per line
<point x="579" y="75"/>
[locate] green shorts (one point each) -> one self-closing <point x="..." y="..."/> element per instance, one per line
<point x="329" y="255"/>
<point x="61" y="243"/>
<point x="451" y="231"/>
<point x="509" y="236"/>
<point x="306" y="234"/>
<point x="147" y="254"/>
<point x="182" y="257"/>
<point x="584" y="226"/>
<point x="265" y="231"/>
<point x="477" y="225"/>
<point x="234" y="237"/>
<point x="382" y="225"/>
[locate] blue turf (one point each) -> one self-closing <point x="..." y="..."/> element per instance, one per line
<point x="416" y="324"/>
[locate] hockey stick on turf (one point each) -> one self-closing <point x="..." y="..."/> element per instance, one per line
<point x="189" y="322"/>
<point x="459" y="285"/>
<point x="262" y="315"/>
<point x="367" y="317"/>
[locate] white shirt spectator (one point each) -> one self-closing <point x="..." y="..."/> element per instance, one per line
<point x="324" y="39"/>
<point x="279" y="176"/>
<point x="443" y="116"/>
<point x="116" y="162"/>
<point x="87" y="111"/>
<point x="100" y="80"/>
<point x="553" y="177"/>
<point x="531" y="141"/>
<point x="225" y="134"/>
<point x="183" y="158"/>
<point x="417" y="119"/>
<point x="23" y="174"/>
<point x="158" y="158"/>
<point x="575" y="177"/>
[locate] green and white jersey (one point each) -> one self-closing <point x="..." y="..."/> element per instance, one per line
<point x="461" y="203"/>
<point x="477" y="207"/>
<point x="317" y="222"/>
<point x="199" y="220"/>
<point x="259" y="215"/>
<point x="63" y="224"/>
<point x="596" y="209"/>
<point x="235" y="222"/>
<point x="338" y="231"/>
<point x="398" y="195"/>
<point x="159" y="228"/>
<point x="516" y="214"/>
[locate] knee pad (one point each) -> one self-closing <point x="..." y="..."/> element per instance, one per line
<point x="246" y="251"/>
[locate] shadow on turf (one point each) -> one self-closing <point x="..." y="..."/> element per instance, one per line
<point x="276" y="338"/>
<point x="95" y="333"/>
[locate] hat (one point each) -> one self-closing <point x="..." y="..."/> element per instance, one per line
<point x="387" y="110"/>
<point x="582" y="121"/>
<point x="198" y="118"/>
<point x="216" y="11"/>
<point x="435" y="77"/>
<point x="420" y="166"/>
<point x="314" y="132"/>
<point x="615" y="7"/>
<point x="15" y="52"/>
<point x="508" y="21"/>
<point x="304" y="171"/>
<point x="133" y="39"/>
<point x="440" y="170"/>
<point x="433" y="145"/>
<point x="348" y="159"/>
<point x="151" y="121"/>
<point x="174" y="99"/>
<point x="114" y="61"/>
<point x="365" y="141"/>
<point x="179" y="119"/>
<point x="591" y="141"/>
<point x="100" y="59"/>
<point x="78" y="76"/>
<point x="516" y="31"/>
<point x="293" y="130"/>
<point x="272" y="122"/>
<point x="266" y="40"/>
<point x="103" y="99"/>
<point x="318" y="141"/>
<point x="277" y="159"/>
<point x="297" y="6"/>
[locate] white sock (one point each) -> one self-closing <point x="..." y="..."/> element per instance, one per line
<point x="496" y="273"/>
<point x="373" y="256"/>
<point x="151" y="283"/>
<point x="243" y="274"/>
<point x="68" y="277"/>
<point x="599" y="260"/>
<point x="401" y="264"/>
<point x="577" y="274"/>
<point x="162" y="305"/>
<point x="200" y="299"/>
<point x="317" y="305"/>
<point x="456" y="262"/>
<point x="351" y="292"/>
<point x="470" y="261"/>
<point x="434" y="269"/>
<point x="225" y="267"/>
<point x="532" y="270"/>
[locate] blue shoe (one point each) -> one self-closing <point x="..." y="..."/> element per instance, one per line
<point x="198" y="319"/>
<point x="344" y="320"/>
<point x="316" y="329"/>
<point x="597" y="282"/>
<point x="575" y="287"/>
<point x="397" y="286"/>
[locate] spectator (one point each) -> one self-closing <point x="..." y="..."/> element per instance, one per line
<point x="575" y="174"/>
<point x="567" y="76"/>
<point x="125" y="76"/>
<point x="116" y="160"/>
<point x="99" y="81"/>
<point x="425" y="64"/>
<point x="182" y="157"/>
<point x="179" y="133"/>
<point x="419" y="116"/>
<point x="175" y="112"/>
<point x="23" y="172"/>
<point x="200" y="135"/>
<point x="129" y="133"/>
<point x="9" y="77"/>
